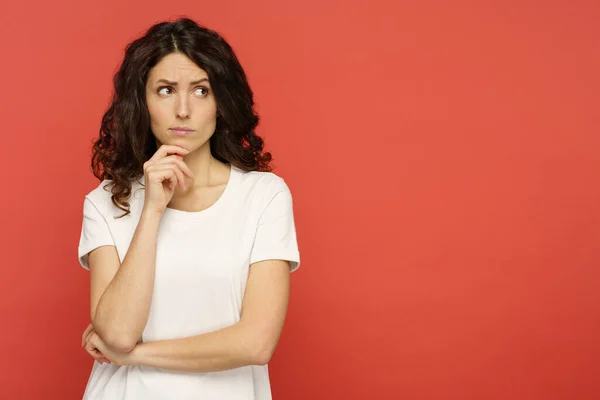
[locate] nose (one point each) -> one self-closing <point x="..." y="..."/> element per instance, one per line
<point x="183" y="107"/>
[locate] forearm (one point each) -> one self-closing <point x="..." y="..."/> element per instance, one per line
<point x="123" y="308"/>
<point x="231" y="347"/>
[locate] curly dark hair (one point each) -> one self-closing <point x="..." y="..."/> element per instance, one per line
<point x="126" y="141"/>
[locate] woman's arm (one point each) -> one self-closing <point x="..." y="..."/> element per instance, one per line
<point x="121" y="295"/>
<point x="251" y="341"/>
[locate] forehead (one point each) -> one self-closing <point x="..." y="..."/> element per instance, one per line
<point x="177" y="67"/>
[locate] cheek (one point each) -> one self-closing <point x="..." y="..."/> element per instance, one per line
<point x="209" y="117"/>
<point x="208" y="113"/>
<point x="157" y="114"/>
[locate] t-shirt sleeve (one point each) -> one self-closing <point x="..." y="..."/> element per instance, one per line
<point x="94" y="232"/>
<point x="276" y="232"/>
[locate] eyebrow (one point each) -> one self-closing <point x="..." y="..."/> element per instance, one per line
<point x="175" y="83"/>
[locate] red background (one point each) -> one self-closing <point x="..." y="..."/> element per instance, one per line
<point x="443" y="158"/>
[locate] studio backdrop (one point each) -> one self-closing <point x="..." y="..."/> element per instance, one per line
<point x="443" y="160"/>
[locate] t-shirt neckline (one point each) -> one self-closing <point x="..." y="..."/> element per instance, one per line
<point x="194" y="216"/>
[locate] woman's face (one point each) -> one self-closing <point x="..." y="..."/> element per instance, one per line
<point x="178" y="95"/>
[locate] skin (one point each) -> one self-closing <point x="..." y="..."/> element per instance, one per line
<point x="188" y="101"/>
<point x="182" y="175"/>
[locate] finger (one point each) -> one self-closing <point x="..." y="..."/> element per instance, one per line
<point x="179" y="179"/>
<point x="169" y="149"/>
<point x="159" y="174"/>
<point x="177" y="162"/>
<point x="93" y="349"/>
<point x="177" y="159"/>
<point x="87" y="338"/>
<point x="95" y="353"/>
<point x="85" y="334"/>
<point x="166" y="149"/>
<point x="90" y="333"/>
<point x="101" y="358"/>
<point x="183" y="166"/>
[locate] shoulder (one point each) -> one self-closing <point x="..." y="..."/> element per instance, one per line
<point x="101" y="196"/>
<point x="263" y="184"/>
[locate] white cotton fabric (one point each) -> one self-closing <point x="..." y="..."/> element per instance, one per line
<point x="202" y="264"/>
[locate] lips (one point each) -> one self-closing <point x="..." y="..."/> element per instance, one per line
<point x="181" y="131"/>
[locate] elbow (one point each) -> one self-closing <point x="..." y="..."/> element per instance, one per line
<point x="262" y="354"/>
<point x="261" y="344"/>
<point x="120" y="343"/>
<point x="262" y="359"/>
<point x="117" y="341"/>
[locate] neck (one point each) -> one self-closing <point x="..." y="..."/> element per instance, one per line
<point x="203" y="165"/>
<point x="208" y="171"/>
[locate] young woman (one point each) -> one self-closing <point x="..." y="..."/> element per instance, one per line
<point x="189" y="238"/>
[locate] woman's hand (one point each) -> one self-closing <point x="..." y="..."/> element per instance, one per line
<point x="88" y="346"/>
<point x="163" y="172"/>
<point x="95" y="341"/>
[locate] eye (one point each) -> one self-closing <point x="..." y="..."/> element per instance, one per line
<point x="202" y="91"/>
<point x="162" y="89"/>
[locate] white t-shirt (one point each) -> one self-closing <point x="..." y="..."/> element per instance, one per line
<point x="202" y="264"/>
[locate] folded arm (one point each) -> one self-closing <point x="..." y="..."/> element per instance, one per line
<point x="251" y="341"/>
<point x="120" y="294"/>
